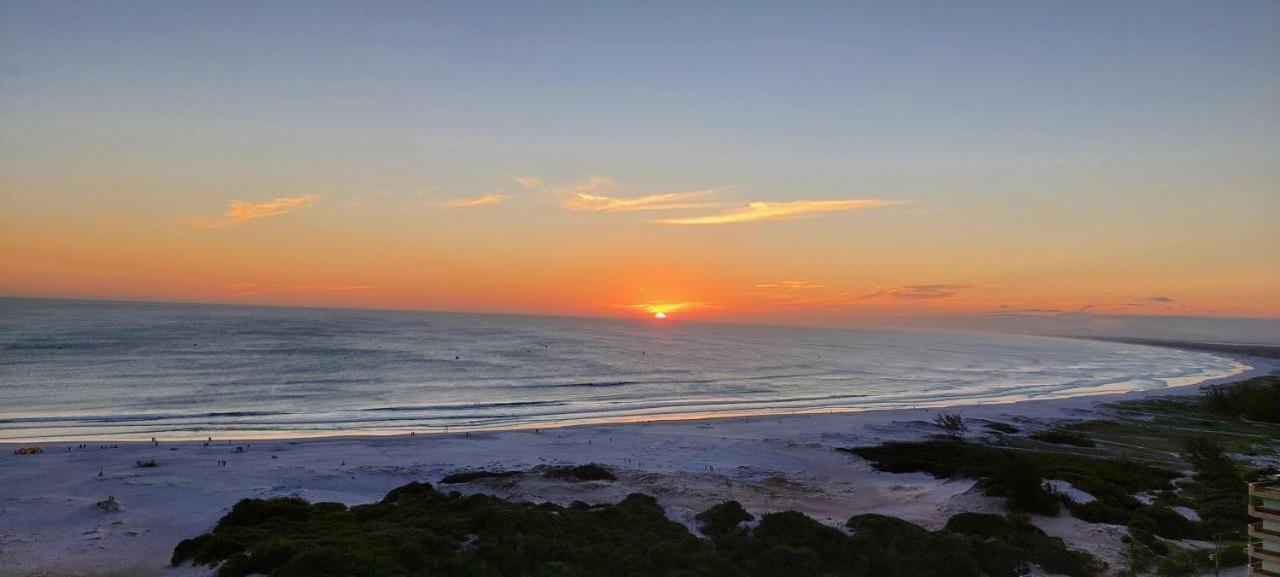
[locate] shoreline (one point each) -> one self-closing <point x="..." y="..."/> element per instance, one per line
<point x="1248" y="366"/>
<point x="48" y="523"/>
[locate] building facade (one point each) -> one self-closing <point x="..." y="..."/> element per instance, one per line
<point x="1264" y="552"/>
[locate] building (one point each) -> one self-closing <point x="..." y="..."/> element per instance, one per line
<point x="1264" y="553"/>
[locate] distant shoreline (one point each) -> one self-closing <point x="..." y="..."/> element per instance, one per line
<point x="1250" y="366"/>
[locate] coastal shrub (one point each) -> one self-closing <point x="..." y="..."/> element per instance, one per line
<point x="785" y="561"/>
<point x="893" y="547"/>
<point x="1167" y="523"/>
<point x="1001" y="427"/>
<point x="1256" y="399"/>
<point x="952" y="423"/>
<point x="1063" y="437"/>
<point x="260" y="511"/>
<point x="416" y="530"/>
<point x="794" y="529"/>
<point x="1019" y="481"/>
<point x="885" y="530"/>
<point x="469" y="476"/>
<point x="1111" y="482"/>
<point x="1050" y="553"/>
<point x="589" y="472"/>
<point x="951" y="458"/>
<point x="1218" y="489"/>
<point x="722" y="519"/>
<point x="1102" y="478"/>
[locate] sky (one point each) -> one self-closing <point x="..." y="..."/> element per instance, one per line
<point x="826" y="162"/>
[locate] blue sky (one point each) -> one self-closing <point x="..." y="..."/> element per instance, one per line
<point x="872" y="85"/>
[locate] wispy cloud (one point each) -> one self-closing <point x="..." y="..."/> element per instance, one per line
<point x="798" y="294"/>
<point x="597" y="194"/>
<point x="1007" y="310"/>
<point x="761" y="211"/>
<point x="486" y="200"/>
<point x="240" y="211"/>
<point x="792" y="284"/>
<point x="248" y="289"/>
<point x="919" y="292"/>
<point x="1168" y="303"/>
<point x="528" y="182"/>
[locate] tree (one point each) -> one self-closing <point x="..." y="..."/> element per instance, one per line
<point x="952" y="423"/>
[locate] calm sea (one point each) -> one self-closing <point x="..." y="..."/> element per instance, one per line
<point x="78" y="369"/>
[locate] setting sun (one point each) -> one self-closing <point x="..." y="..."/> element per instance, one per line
<point x="659" y="315"/>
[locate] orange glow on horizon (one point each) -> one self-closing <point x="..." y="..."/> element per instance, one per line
<point x="313" y="250"/>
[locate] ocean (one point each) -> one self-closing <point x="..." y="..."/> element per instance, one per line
<point x="112" y="370"/>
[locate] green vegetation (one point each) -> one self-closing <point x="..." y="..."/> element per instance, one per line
<point x="1020" y="481"/>
<point x="1256" y="400"/>
<point x="1219" y="490"/>
<point x="947" y="458"/>
<point x="1063" y="437"/>
<point x="1156" y="429"/>
<point x="1048" y="552"/>
<point x="1136" y="451"/>
<point x="999" y="427"/>
<point x="469" y="476"/>
<point x="589" y="472"/>
<point x="951" y="423"/>
<point x="721" y="520"/>
<point x="419" y="531"/>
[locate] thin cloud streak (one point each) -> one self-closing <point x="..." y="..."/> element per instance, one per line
<point x="762" y="211"/>
<point x="878" y="296"/>
<point x="528" y="182"/>
<point x="592" y="195"/>
<point x="793" y="285"/>
<point x="240" y="211"/>
<point x="244" y="289"/>
<point x="476" y="202"/>
<point x="919" y="292"/>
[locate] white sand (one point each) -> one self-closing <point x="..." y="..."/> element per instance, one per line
<point x="48" y="525"/>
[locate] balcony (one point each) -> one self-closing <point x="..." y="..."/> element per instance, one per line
<point x="1257" y="552"/>
<point x="1265" y="490"/>
<point x="1266" y="513"/>
<point x="1256" y="569"/>
<point x="1257" y="531"/>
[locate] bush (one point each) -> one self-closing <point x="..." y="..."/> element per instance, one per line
<point x="1002" y="427"/>
<point x="591" y="472"/>
<point x="416" y="530"/>
<point x="1255" y="399"/>
<point x="1019" y="481"/>
<point x="469" y="476"/>
<point x="723" y="518"/>
<point x="1111" y="482"/>
<point x="951" y="423"/>
<point x="949" y="458"/>
<point x="1218" y="490"/>
<point x="1048" y="552"/>
<point x="1063" y="437"/>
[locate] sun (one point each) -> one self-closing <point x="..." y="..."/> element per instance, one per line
<point x="659" y="315"/>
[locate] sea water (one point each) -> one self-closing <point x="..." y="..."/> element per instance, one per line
<point x="88" y="369"/>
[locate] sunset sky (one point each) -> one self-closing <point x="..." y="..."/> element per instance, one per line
<point x="774" y="161"/>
